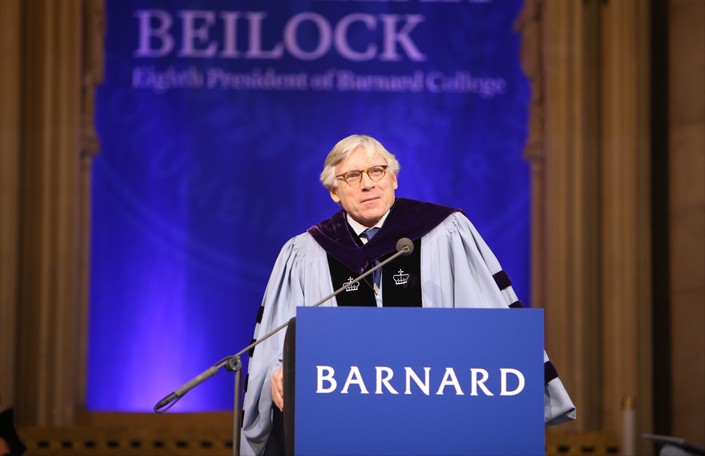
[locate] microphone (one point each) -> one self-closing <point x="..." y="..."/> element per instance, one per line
<point x="172" y="398"/>
<point x="404" y="246"/>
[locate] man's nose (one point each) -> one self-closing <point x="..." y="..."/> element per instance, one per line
<point x="366" y="181"/>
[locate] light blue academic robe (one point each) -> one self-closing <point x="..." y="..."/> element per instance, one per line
<point x="457" y="270"/>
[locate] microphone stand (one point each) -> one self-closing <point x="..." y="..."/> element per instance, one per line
<point x="233" y="363"/>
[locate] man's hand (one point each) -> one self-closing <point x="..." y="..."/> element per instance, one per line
<point x="277" y="386"/>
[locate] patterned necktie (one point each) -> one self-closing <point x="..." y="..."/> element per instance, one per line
<point x="377" y="275"/>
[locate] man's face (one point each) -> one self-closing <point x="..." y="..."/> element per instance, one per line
<point x="368" y="201"/>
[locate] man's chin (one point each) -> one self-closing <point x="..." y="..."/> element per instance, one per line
<point x="369" y="219"/>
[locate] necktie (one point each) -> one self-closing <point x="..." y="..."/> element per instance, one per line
<point x="369" y="233"/>
<point x="377" y="275"/>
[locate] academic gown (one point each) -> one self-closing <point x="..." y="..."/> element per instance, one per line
<point x="457" y="269"/>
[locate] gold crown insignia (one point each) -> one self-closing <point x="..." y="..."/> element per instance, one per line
<point x="350" y="285"/>
<point x="400" y="278"/>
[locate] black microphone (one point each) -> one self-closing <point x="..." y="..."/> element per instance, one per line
<point x="188" y="386"/>
<point x="404" y="247"/>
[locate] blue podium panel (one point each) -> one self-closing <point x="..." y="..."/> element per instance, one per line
<point x="402" y="381"/>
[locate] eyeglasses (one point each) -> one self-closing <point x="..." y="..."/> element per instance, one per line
<point x="354" y="177"/>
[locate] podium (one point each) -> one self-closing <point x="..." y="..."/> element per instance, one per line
<point x="415" y="381"/>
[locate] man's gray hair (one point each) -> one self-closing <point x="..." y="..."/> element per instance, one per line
<point x="347" y="146"/>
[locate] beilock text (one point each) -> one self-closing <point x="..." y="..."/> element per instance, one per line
<point x="208" y="34"/>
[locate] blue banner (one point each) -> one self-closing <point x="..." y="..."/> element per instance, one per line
<point x="215" y="117"/>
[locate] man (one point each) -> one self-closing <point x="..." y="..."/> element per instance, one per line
<point x="450" y="266"/>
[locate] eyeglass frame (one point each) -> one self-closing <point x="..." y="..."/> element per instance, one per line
<point x="363" y="171"/>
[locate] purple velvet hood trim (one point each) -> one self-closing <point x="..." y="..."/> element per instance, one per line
<point x="407" y="218"/>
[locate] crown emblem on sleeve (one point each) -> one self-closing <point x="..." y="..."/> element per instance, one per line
<point x="400" y="278"/>
<point x="350" y="285"/>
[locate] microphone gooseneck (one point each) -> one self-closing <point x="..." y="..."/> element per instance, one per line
<point x="404" y="246"/>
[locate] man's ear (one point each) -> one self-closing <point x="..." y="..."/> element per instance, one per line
<point x="334" y="195"/>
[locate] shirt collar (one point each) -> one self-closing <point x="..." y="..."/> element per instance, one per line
<point x="358" y="228"/>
